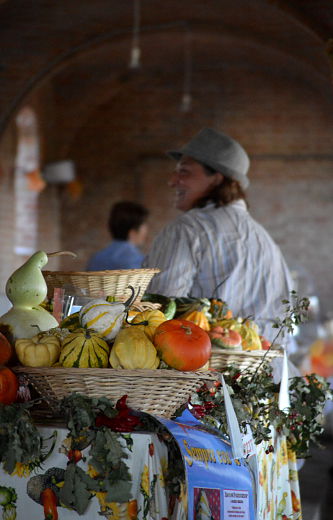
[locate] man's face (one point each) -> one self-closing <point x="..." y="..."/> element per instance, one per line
<point x="191" y="182"/>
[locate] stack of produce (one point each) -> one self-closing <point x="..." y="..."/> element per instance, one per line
<point x="214" y="316"/>
<point x="100" y="335"/>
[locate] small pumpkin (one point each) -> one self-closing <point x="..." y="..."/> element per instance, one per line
<point x="6" y="350"/>
<point x="247" y="329"/>
<point x="132" y="349"/>
<point x="182" y="345"/>
<point x="84" y="348"/>
<point x="148" y="321"/>
<point x="38" y="351"/>
<point x="8" y="386"/>
<point x="197" y="317"/>
<point x="225" y="338"/>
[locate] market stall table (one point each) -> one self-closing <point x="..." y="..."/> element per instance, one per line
<point x="147" y="461"/>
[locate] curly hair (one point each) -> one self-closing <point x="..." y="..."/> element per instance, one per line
<point x="226" y="192"/>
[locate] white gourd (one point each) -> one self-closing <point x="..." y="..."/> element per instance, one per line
<point x="104" y="317"/>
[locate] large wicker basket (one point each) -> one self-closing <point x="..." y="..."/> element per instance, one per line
<point x="159" y="392"/>
<point x="244" y="360"/>
<point x="100" y="283"/>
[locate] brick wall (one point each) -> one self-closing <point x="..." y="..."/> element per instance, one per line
<point x="117" y="138"/>
<point x="16" y="201"/>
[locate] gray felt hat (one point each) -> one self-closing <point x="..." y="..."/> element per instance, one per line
<point x="220" y="152"/>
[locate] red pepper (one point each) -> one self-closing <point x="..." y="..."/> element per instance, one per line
<point x="49" y="501"/>
<point x="121" y="403"/>
<point x="125" y="421"/>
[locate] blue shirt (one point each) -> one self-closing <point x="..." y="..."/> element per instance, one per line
<point x="119" y="254"/>
<point x="204" y="247"/>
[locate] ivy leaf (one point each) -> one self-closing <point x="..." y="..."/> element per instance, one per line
<point x="107" y="457"/>
<point x="76" y="491"/>
<point x="119" y="491"/>
<point x="20" y="440"/>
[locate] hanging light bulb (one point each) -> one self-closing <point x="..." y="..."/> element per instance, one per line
<point x="186" y="101"/>
<point x="135" y="50"/>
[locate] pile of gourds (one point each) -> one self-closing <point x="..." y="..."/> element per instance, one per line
<point x="101" y="335"/>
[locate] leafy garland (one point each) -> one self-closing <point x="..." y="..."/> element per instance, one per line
<point x="92" y="422"/>
<point x="255" y="395"/>
<point x="22" y="447"/>
<point x="256" y="404"/>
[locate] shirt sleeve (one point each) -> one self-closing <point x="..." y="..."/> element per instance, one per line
<point x="174" y="253"/>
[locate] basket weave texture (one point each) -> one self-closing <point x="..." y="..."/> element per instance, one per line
<point x="158" y="392"/>
<point x="244" y="360"/>
<point x="100" y="283"/>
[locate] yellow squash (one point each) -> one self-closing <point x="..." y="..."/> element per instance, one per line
<point x="149" y="320"/>
<point x="132" y="349"/>
<point x="38" y="351"/>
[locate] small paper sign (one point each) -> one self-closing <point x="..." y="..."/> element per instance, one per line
<point x="236" y="504"/>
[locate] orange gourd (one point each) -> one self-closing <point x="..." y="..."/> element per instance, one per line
<point x="8" y="386"/>
<point x="197" y="317"/>
<point x="182" y="345"/>
<point x="6" y="350"/>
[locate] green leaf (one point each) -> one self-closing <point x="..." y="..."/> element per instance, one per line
<point x="119" y="491"/>
<point x="76" y="491"/>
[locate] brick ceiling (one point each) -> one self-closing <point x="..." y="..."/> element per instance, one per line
<point x="83" y="47"/>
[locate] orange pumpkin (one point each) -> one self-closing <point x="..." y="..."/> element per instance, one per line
<point x="182" y="344"/>
<point x="6" y="350"/>
<point x="8" y="386"/>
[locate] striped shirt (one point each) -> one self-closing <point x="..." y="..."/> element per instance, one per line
<point x="206" y="246"/>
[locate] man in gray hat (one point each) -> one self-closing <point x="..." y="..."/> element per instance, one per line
<point x="215" y="248"/>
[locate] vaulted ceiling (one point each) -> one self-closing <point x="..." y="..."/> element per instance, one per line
<point x="83" y="47"/>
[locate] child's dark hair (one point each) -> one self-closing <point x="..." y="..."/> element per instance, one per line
<point x="125" y="216"/>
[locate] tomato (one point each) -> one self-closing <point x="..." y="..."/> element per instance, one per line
<point x="182" y="344"/>
<point x="8" y="386"/>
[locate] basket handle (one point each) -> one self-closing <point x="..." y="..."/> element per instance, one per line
<point x="60" y="253"/>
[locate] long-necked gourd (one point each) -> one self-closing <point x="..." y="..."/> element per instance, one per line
<point x="26" y="289"/>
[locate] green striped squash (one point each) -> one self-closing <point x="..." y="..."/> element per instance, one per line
<point x="71" y="322"/>
<point x="83" y="349"/>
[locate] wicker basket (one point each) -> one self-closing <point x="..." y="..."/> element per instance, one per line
<point x="244" y="360"/>
<point x="100" y="283"/>
<point x="159" y="392"/>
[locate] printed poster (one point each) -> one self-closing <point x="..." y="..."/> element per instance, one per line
<point x="219" y="487"/>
